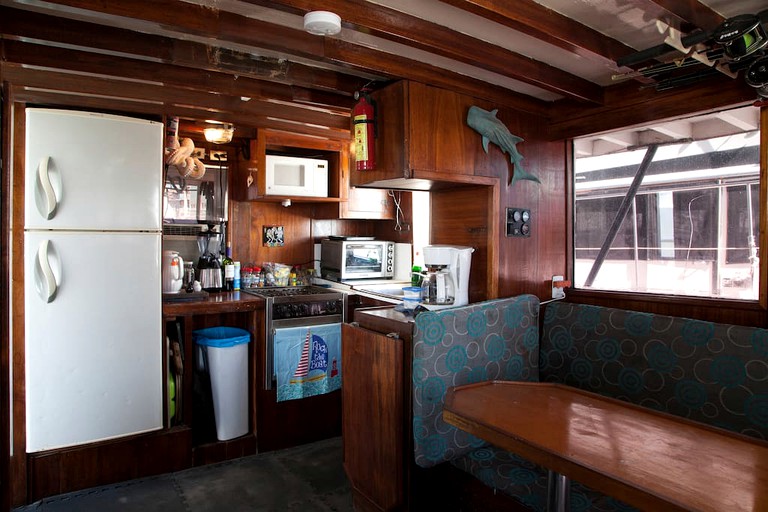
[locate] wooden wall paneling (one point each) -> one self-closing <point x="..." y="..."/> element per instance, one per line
<point x="5" y="276"/>
<point x="81" y="467"/>
<point x="466" y="216"/>
<point x="18" y="468"/>
<point x="528" y="263"/>
<point x="296" y="223"/>
<point x="710" y="310"/>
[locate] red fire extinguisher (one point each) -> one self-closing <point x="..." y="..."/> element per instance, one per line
<point x="364" y="121"/>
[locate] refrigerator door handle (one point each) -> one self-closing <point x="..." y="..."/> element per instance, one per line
<point x="46" y="197"/>
<point x="45" y="281"/>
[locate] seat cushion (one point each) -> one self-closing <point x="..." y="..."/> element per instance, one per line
<point x="485" y="341"/>
<point x="707" y="372"/>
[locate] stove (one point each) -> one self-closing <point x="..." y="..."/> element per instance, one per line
<point x="296" y="306"/>
<point x="290" y="291"/>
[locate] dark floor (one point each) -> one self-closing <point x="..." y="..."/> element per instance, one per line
<point x="308" y="478"/>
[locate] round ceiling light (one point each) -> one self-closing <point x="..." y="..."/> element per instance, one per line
<point x="322" y="23"/>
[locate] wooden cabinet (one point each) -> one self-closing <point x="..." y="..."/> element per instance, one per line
<point x="367" y="203"/>
<point x="423" y="141"/>
<point x="373" y="418"/>
<point x="252" y="170"/>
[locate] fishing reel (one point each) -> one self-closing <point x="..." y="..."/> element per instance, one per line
<point x="757" y="76"/>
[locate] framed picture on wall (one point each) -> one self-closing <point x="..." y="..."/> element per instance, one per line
<point x="273" y="236"/>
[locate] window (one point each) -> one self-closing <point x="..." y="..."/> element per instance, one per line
<point x="684" y="222"/>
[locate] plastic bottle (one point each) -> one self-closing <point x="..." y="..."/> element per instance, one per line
<point x="236" y="281"/>
<point x="247" y="274"/>
<point x="416" y="276"/>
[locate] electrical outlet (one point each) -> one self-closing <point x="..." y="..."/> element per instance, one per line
<point x="220" y="156"/>
<point x="558" y="282"/>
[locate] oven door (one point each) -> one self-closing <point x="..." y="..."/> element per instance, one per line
<point x="285" y="336"/>
<point x="364" y="260"/>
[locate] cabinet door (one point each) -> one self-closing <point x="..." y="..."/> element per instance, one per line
<point x="368" y="203"/>
<point x="372" y="415"/>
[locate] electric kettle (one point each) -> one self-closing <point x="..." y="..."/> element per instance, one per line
<point x="173" y="272"/>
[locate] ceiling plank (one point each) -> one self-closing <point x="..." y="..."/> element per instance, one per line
<point x="182" y="77"/>
<point x="25" y="24"/>
<point x="68" y="99"/>
<point x="412" y="31"/>
<point x="398" y="66"/>
<point x="170" y="96"/>
<point x="549" y="26"/>
<point x="229" y="27"/>
<point x="687" y="11"/>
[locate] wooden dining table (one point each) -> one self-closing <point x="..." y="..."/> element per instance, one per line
<point x="648" y="459"/>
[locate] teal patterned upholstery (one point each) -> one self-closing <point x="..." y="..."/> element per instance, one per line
<point x="485" y="341"/>
<point x="711" y="373"/>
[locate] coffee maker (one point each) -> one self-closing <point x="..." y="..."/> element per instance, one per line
<point x="446" y="282"/>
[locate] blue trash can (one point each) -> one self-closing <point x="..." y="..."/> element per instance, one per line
<point x="222" y="352"/>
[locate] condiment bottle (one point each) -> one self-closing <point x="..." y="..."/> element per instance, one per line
<point x="236" y="281"/>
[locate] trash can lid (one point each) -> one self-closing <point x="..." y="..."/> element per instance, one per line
<point x="221" y="336"/>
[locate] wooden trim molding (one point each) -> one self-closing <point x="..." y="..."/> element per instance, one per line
<point x="18" y="461"/>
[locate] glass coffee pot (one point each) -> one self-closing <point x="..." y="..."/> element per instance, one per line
<point x="437" y="286"/>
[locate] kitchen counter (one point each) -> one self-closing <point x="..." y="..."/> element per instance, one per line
<point x="223" y="302"/>
<point x="358" y="287"/>
<point x="385" y="320"/>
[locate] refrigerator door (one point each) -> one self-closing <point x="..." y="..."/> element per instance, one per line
<point x="92" y="171"/>
<point x="93" y="336"/>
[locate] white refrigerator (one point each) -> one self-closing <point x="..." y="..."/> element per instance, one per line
<point x="92" y="290"/>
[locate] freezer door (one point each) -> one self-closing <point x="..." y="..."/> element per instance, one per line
<point x="92" y="337"/>
<point x="92" y="171"/>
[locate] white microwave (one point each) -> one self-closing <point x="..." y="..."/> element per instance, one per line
<point x="296" y="176"/>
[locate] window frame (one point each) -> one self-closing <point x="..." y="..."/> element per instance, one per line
<point x="741" y="311"/>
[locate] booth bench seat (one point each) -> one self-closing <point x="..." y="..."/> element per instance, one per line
<point x="712" y="373"/>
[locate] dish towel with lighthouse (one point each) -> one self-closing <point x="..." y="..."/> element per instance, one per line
<point x="307" y="361"/>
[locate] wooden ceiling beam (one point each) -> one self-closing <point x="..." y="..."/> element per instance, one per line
<point x="228" y="27"/>
<point x="395" y="65"/>
<point x="168" y="95"/>
<point x="177" y="76"/>
<point x="531" y="18"/>
<point x="17" y="23"/>
<point x="249" y="121"/>
<point x="409" y="30"/>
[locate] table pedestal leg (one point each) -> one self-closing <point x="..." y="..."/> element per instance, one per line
<point x="558" y="492"/>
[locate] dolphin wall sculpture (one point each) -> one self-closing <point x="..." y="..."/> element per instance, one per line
<point x="488" y="125"/>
